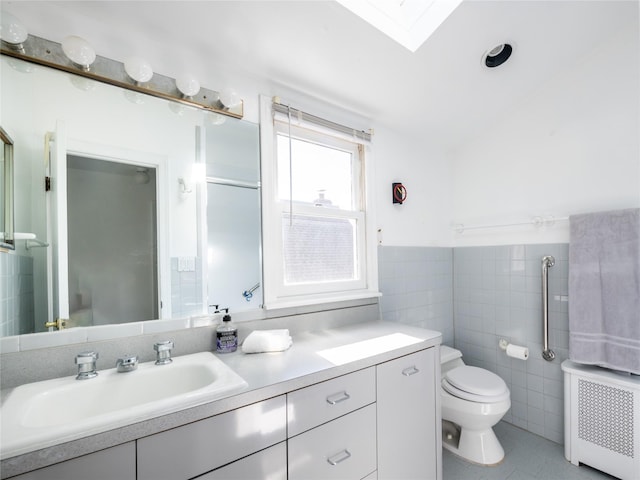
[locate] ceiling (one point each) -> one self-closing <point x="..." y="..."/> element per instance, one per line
<point x="319" y="48"/>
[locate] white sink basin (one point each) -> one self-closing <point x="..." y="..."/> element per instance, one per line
<point x="41" y="414"/>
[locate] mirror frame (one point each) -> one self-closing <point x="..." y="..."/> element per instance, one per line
<point x="8" y="240"/>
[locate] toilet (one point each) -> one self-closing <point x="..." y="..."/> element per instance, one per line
<point x="473" y="401"/>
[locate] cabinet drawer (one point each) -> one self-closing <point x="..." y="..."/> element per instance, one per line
<point x="268" y="464"/>
<point x="200" y="447"/>
<point x="322" y="402"/>
<point x="344" y="448"/>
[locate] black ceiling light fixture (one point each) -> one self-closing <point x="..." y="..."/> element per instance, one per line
<point x="498" y="55"/>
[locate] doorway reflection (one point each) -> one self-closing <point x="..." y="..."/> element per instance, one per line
<point x="112" y="232"/>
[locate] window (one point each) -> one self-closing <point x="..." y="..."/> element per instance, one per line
<point x="318" y="220"/>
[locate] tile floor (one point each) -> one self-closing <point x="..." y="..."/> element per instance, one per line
<point x="528" y="457"/>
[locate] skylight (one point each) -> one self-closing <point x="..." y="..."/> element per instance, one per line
<point x="408" y="22"/>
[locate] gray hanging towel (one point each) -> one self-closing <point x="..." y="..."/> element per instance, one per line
<point x="604" y="289"/>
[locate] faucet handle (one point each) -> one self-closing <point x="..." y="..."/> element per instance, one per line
<point x="86" y="357"/>
<point x="163" y="349"/>
<point x="163" y="346"/>
<point x="86" y="362"/>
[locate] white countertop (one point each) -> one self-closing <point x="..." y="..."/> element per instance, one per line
<point x="267" y="375"/>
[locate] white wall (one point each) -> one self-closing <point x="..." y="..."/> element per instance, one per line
<point x="423" y="219"/>
<point x="572" y="147"/>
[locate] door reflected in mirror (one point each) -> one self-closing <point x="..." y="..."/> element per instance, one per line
<point x="112" y="242"/>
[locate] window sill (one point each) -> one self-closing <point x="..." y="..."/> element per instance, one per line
<point x="331" y="301"/>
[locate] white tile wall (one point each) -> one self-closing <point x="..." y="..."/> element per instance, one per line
<point x="482" y="294"/>
<point x="416" y="286"/>
<point x="498" y="294"/>
<point x="16" y="294"/>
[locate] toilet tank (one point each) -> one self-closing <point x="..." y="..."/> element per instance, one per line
<point x="450" y="358"/>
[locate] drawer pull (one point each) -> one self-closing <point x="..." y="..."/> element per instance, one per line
<point x="339" y="457"/>
<point x="338" y="397"/>
<point x="407" y="372"/>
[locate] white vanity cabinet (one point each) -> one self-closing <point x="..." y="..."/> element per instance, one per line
<point x="115" y="462"/>
<point x="408" y="417"/>
<point x="379" y="422"/>
<point x="332" y="428"/>
<point x="200" y="447"/>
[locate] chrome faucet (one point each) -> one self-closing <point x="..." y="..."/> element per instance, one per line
<point x="163" y="349"/>
<point x="127" y="363"/>
<point x="86" y="362"/>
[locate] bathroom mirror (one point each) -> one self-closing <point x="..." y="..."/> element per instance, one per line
<point x="66" y="129"/>
<point x="6" y="191"/>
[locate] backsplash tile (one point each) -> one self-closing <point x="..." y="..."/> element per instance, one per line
<point x="16" y="294"/>
<point x="416" y="286"/>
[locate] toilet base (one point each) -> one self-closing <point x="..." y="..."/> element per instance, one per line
<point x="479" y="446"/>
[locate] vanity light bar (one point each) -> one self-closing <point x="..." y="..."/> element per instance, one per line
<point x="50" y="54"/>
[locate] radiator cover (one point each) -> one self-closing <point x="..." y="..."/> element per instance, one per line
<point x="602" y="419"/>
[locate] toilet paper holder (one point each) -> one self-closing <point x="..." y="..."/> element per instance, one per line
<point x="514" y="351"/>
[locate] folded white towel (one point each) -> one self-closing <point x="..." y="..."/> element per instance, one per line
<point x="267" y="341"/>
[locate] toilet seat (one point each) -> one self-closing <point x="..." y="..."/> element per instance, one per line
<point x="475" y="384"/>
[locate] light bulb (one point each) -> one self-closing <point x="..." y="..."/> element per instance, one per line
<point x="215" y="118"/>
<point x="134" y="97"/>
<point x="12" y="31"/>
<point x="82" y="83"/>
<point x="229" y="98"/>
<point x="188" y="85"/>
<point x="141" y="176"/>
<point x="79" y="51"/>
<point x="138" y="69"/>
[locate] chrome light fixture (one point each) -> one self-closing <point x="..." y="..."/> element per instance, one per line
<point x="79" y="51"/>
<point x="75" y="55"/>
<point x="12" y="32"/>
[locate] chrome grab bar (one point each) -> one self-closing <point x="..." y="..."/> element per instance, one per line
<point x="547" y="261"/>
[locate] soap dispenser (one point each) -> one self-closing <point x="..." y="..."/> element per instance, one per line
<point x="226" y="335"/>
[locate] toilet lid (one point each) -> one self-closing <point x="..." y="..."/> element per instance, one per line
<point x="475" y="384"/>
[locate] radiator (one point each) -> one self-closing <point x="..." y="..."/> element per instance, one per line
<point x="602" y="419"/>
